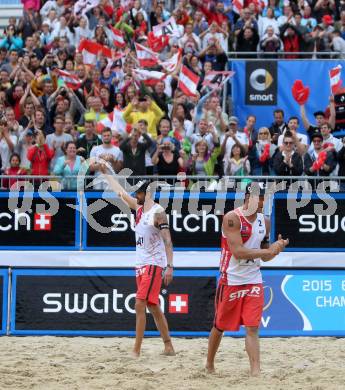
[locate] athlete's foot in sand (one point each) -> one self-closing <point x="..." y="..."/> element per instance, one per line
<point x="135" y="354"/>
<point x="255" y="372"/>
<point x="210" y="368"/>
<point x="168" y="349"/>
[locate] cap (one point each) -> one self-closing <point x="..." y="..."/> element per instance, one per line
<point x="316" y="113"/>
<point x="142" y="186"/>
<point x="327" y="19"/>
<point x="316" y="134"/>
<point x="30" y="132"/>
<point x="256" y="188"/>
<point x="233" y="119"/>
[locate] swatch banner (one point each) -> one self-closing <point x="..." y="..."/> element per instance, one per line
<point x="259" y="87"/>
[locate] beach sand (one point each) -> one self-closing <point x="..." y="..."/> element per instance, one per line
<point x="104" y="363"/>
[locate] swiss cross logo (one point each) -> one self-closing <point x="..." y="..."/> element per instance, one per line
<point x="178" y="303"/>
<point x="42" y="221"/>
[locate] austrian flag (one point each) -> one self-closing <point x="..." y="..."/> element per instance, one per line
<point x="146" y="57"/>
<point x="188" y="81"/>
<point x="118" y="38"/>
<point x="335" y="79"/>
<point x="70" y="79"/>
<point x="148" y="77"/>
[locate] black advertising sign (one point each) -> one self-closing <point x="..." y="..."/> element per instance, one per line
<point x="3" y="300"/>
<point x="261" y="83"/>
<point x="31" y="221"/>
<point x="81" y="302"/>
<point x="312" y="229"/>
<point x="195" y="224"/>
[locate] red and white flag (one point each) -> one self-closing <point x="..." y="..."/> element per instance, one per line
<point x="114" y="121"/>
<point x="171" y="64"/>
<point x="237" y="6"/>
<point x="146" y="57"/>
<point x="148" y="77"/>
<point x="335" y="79"/>
<point x="216" y="79"/>
<point x="118" y="38"/>
<point x="91" y="49"/>
<point x="188" y="81"/>
<point x="72" y="81"/>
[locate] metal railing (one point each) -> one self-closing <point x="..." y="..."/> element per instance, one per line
<point x="276" y="56"/>
<point x="179" y="182"/>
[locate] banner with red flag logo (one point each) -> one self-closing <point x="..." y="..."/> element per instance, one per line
<point x="171" y="64"/>
<point x="216" y="79"/>
<point x="118" y="38"/>
<point x="188" y="81"/>
<point x="148" y="77"/>
<point x="91" y="49"/>
<point x="157" y="44"/>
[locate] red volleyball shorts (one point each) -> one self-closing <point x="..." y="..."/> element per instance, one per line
<point x="238" y="305"/>
<point x="149" y="282"/>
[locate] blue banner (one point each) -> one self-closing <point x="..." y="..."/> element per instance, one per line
<point x="259" y="87"/>
<point x="101" y="302"/>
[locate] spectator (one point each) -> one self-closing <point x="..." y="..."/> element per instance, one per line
<point x="12" y="40"/>
<point x="215" y="115"/>
<point x="214" y="54"/>
<point x="58" y="139"/>
<point x="308" y="21"/>
<point x="247" y="41"/>
<point x="292" y="40"/>
<point x="260" y="156"/>
<point x="300" y="140"/>
<point x="268" y="21"/>
<point x="88" y="140"/>
<point x="26" y="140"/>
<point x="233" y="136"/>
<point x="167" y="161"/>
<point x="320" y="118"/>
<point x="106" y="153"/>
<point x="8" y="142"/>
<point x="202" y="162"/>
<point x="338" y="44"/>
<point x="204" y="131"/>
<point x="279" y="126"/>
<point x="270" y="42"/>
<point x="238" y="164"/>
<point x="319" y="162"/>
<point x="13" y="170"/>
<point x="134" y="151"/>
<point x="144" y="108"/>
<point x="68" y="165"/>
<point x="247" y="20"/>
<point x="329" y="141"/>
<point x="287" y="161"/>
<point x="40" y="156"/>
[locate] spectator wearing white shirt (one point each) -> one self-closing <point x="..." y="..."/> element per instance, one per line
<point x="233" y="137"/>
<point x="287" y="16"/>
<point x="8" y="142"/>
<point x="338" y="44"/>
<point x="102" y="155"/>
<point x="82" y="31"/>
<point x="203" y="131"/>
<point x="62" y="30"/>
<point x="137" y="7"/>
<point x="300" y="140"/>
<point x="268" y="21"/>
<point x="57" y="5"/>
<point x="190" y="39"/>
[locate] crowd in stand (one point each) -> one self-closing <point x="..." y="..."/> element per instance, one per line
<point x="62" y="103"/>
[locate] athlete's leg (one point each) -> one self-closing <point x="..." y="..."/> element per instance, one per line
<point x="140" y="310"/>
<point x="162" y="326"/>
<point x="253" y="349"/>
<point x="213" y="345"/>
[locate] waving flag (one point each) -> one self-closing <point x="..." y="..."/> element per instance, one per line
<point x="157" y="44"/>
<point x="81" y="7"/>
<point x="171" y="64"/>
<point x="70" y="79"/>
<point x="91" y="49"/>
<point x="118" y="38"/>
<point x="216" y="79"/>
<point x="146" y="57"/>
<point x="188" y="81"/>
<point x="169" y="27"/>
<point x="148" y="77"/>
<point x="335" y="79"/>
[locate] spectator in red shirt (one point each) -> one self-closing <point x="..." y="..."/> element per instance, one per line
<point x="13" y="170"/>
<point x="40" y="156"/>
<point x="213" y="15"/>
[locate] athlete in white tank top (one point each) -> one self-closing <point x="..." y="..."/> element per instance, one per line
<point x="150" y="248"/>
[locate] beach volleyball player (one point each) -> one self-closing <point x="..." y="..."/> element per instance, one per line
<point x="239" y="296"/>
<point x="154" y="260"/>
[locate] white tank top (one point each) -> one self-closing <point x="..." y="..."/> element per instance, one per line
<point x="150" y="248"/>
<point x="237" y="272"/>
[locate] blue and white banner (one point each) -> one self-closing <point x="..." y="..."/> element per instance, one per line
<point x="259" y="87"/>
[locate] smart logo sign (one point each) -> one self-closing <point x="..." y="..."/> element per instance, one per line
<point x="261" y="83"/>
<point x="104" y="301"/>
<point x="29" y="222"/>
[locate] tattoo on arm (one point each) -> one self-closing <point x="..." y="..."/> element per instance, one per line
<point x="231" y="223"/>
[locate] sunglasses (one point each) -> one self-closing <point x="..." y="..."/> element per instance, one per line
<point x="288" y="143"/>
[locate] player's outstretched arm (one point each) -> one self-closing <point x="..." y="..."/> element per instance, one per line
<point x="232" y="231"/>
<point x="118" y="189"/>
<point x="161" y="222"/>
